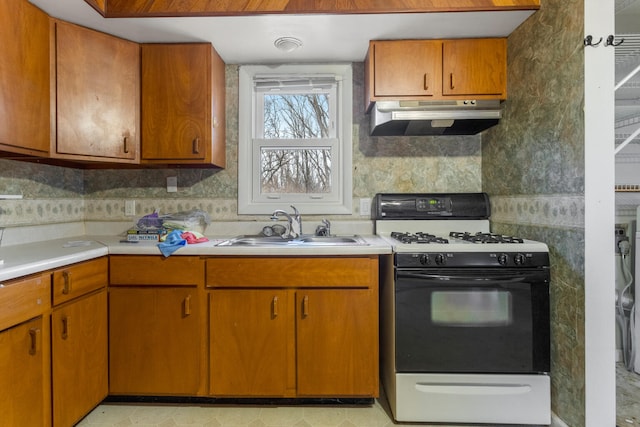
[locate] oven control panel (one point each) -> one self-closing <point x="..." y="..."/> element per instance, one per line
<point x="472" y="259"/>
<point x="431" y="206"/>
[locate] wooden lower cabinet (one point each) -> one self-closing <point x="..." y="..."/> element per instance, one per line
<point x="155" y="341"/>
<point x="337" y="342"/>
<point x="157" y="326"/>
<point x="307" y="337"/>
<point x="250" y="354"/>
<point x="79" y="357"/>
<point x="24" y="374"/>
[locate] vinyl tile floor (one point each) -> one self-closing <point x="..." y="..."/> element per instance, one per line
<point x="173" y="415"/>
<point x="376" y="415"/>
<point x="627" y="397"/>
<point x="163" y="415"/>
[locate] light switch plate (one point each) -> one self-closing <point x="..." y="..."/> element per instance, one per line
<point x="130" y="207"/>
<point x="172" y="184"/>
<point x="365" y="207"/>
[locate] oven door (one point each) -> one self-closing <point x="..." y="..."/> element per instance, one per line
<point x="472" y="320"/>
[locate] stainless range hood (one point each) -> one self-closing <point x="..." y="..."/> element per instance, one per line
<point x="469" y="117"/>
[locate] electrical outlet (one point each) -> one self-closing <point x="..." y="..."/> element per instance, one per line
<point x="130" y="207"/>
<point x="172" y="184"/>
<point x="365" y="207"/>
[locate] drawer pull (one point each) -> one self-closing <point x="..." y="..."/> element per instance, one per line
<point x="187" y="306"/>
<point x="426" y="81"/>
<point x="274" y="307"/>
<point x="66" y="276"/>
<point x="126" y="144"/>
<point x="34" y="335"/>
<point x="451" y="85"/>
<point x="65" y="327"/>
<point x="305" y="306"/>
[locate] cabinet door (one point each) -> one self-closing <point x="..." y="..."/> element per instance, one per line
<point x="79" y="354"/>
<point x="154" y="341"/>
<point x="475" y="67"/>
<point x="98" y="79"/>
<point x="24" y="75"/>
<point x="182" y="104"/>
<point x="249" y="342"/>
<point x="407" y="68"/>
<point x="337" y="342"/>
<point x="24" y="400"/>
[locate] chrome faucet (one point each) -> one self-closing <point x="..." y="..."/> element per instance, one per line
<point x="295" y="221"/>
<point x="324" y="229"/>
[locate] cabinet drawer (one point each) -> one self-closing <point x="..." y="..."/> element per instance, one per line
<point x="78" y="279"/>
<point x="156" y="270"/>
<point x="23" y="299"/>
<point x="287" y="272"/>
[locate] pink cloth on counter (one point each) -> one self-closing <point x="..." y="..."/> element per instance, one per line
<point x="191" y="238"/>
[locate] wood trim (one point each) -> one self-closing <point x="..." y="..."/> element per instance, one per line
<point x="291" y="272"/>
<point x="146" y="8"/>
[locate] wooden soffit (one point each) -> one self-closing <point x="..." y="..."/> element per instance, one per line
<point x="183" y="8"/>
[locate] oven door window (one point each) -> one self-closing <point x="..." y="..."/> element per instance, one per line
<point x="472" y="308"/>
<point x="472" y="321"/>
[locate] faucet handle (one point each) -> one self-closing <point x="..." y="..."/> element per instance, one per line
<point x="324" y="229"/>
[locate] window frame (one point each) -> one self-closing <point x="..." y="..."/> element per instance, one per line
<point x="250" y="201"/>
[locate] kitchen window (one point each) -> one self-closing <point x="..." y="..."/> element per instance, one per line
<point x="295" y="124"/>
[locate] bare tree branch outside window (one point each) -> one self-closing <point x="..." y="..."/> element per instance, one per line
<point x="304" y="168"/>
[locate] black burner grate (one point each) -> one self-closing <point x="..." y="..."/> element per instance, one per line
<point x="418" y="237"/>
<point x="485" y="237"/>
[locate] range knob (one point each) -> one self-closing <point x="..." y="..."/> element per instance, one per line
<point x="440" y="259"/>
<point x="424" y="259"/>
<point x="519" y="259"/>
<point x="503" y="259"/>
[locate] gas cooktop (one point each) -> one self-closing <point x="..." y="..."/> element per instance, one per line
<point x="444" y="223"/>
<point x="478" y="237"/>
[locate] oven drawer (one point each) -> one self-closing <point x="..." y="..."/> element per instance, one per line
<point x="492" y="399"/>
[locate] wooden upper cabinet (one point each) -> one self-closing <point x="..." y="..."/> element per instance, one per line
<point x="25" y="124"/>
<point x="408" y="68"/>
<point x="475" y="67"/>
<point x="183" y="105"/>
<point x="98" y="96"/>
<point x="424" y="70"/>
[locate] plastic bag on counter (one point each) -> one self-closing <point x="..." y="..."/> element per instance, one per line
<point x="150" y="221"/>
<point x="193" y="220"/>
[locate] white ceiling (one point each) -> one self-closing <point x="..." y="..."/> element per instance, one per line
<point x="249" y="39"/>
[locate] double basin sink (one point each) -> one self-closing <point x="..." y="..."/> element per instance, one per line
<point x="305" y="240"/>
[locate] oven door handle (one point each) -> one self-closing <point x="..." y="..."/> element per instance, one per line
<point x="470" y="278"/>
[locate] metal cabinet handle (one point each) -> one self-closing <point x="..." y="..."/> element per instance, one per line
<point x="187" y="306"/>
<point x="65" y="327"/>
<point x="196" y="145"/>
<point x="66" y="276"/>
<point x="305" y="306"/>
<point x="451" y="85"/>
<point x="35" y="336"/>
<point x="126" y="144"/>
<point x="274" y="307"/>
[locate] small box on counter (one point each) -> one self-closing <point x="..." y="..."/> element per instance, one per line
<point x="134" y="235"/>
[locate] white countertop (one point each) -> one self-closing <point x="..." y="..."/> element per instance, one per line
<point x="22" y="260"/>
